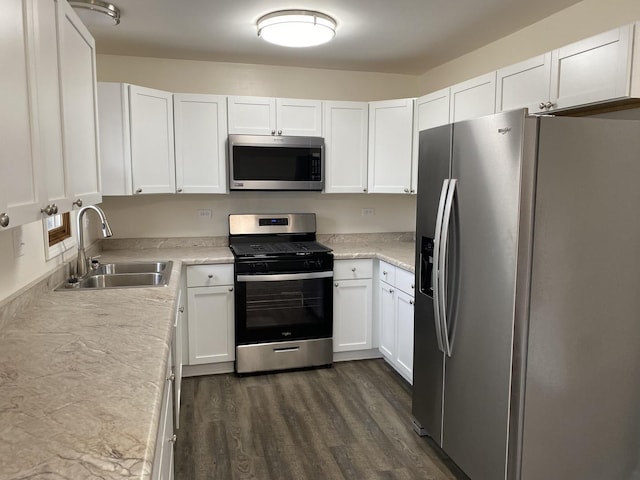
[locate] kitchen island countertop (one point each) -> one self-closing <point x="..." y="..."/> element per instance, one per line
<point x="82" y="372"/>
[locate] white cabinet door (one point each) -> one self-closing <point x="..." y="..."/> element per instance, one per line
<point x="352" y="317"/>
<point x="19" y="201"/>
<point x="387" y="296"/>
<point x="115" y="138"/>
<point x="345" y="147"/>
<point x="178" y="328"/>
<point x="79" y="105"/>
<point x="430" y="111"/>
<point x="299" y="117"/>
<point x="592" y="70"/>
<point x="211" y="328"/>
<point x="390" y="146"/>
<point x="473" y="98"/>
<point x="404" y="347"/>
<point x="162" y="468"/>
<point x="525" y="85"/>
<point x="252" y="115"/>
<point x="275" y="116"/>
<point x="54" y="190"/>
<point x="152" y="149"/>
<point x="200" y="123"/>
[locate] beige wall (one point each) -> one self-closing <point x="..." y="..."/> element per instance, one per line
<point x="177" y="215"/>
<point x="579" y="21"/>
<point x="188" y="76"/>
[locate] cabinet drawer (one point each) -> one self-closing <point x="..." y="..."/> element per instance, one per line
<point x="405" y="281"/>
<point x="350" y="269"/>
<point x="209" y="275"/>
<point x="387" y="273"/>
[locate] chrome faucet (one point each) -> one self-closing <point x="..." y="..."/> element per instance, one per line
<point x="82" y="265"/>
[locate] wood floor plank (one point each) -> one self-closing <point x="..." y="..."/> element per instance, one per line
<point x="349" y="422"/>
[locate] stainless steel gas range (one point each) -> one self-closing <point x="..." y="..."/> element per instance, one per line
<point x="283" y="292"/>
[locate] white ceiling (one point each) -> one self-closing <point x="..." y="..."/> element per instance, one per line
<point x="396" y="36"/>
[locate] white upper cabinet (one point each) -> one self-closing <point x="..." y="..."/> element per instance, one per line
<point x="115" y="138"/>
<point x="390" y="146"/>
<point x="593" y="70"/>
<point x="473" y="98"/>
<point x="152" y="149"/>
<point x="200" y="123"/>
<point x="274" y="116"/>
<point x="525" y="85"/>
<point x="345" y="136"/>
<point x="431" y="110"/>
<point x="79" y="106"/>
<point x="19" y="201"/>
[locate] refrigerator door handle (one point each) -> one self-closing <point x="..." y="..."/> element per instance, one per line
<point x="437" y="266"/>
<point x="442" y="279"/>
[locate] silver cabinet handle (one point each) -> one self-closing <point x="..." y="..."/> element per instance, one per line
<point x="231" y="289"/>
<point x="336" y="284"/>
<point x="273" y="132"/>
<point x="391" y="290"/>
<point x="412" y="191"/>
<point x="549" y="105"/>
<point x="279" y="132"/>
<point x="410" y="302"/>
<point x="48" y="210"/>
<point x="412" y="286"/>
<point x="4" y="220"/>
<point x="179" y="190"/>
<point x="78" y="203"/>
<point x="541" y="106"/>
<point x="353" y="269"/>
<point x="181" y="309"/>
<point x="364" y="190"/>
<point x="138" y="190"/>
<point x="173" y="438"/>
<point x="406" y="190"/>
<point x="384" y="273"/>
<point x="171" y="377"/>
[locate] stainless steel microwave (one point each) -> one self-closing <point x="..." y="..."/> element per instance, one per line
<point x="275" y="162"/>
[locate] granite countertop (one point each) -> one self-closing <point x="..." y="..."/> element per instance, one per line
<point x="82" y="372"/>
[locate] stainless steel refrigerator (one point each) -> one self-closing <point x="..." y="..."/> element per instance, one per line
<point x="527" y="316"/>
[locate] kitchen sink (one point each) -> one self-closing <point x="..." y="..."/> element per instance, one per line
<point x="122" y="275"/>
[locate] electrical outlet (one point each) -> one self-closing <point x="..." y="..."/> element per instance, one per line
<point x="368" y="212"/>
<point x="204" y="214"/>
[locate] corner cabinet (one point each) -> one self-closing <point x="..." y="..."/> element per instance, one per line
<point x="390" y="146"/>
<point x="274" y="116"/>
<point x="345" y="135"/>
<point x="200" y="123"/>
<point x="395" y="311"/>
<point x="211" y="314"/>
<point x="352" y="315"/>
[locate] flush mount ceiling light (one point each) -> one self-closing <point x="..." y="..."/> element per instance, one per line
<point x="296" y="28"/>
<point x="97" y="11"/>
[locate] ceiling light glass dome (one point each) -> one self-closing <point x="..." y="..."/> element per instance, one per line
<point x="296" y="28"/>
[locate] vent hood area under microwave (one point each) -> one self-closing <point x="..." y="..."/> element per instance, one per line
<point x="275" y="162"/>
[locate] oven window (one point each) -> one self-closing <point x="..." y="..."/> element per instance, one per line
<point x="294" y="303"/>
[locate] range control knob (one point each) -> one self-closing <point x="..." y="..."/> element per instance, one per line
<point x="258" y="267"/>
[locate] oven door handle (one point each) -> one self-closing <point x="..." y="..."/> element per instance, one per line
<point x="284" y="276"/>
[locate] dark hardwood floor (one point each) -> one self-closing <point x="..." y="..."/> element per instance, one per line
<point x="351" y="421"/>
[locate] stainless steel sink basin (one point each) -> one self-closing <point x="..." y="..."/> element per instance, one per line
<point x="122" y="275"/>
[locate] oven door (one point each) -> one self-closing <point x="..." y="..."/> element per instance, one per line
<point x="291" y="306"/>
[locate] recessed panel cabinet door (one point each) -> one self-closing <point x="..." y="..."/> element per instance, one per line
<point x="152" y="150"/>
<point x="79" y="105"/>
<point x="200" y="123"/>
<point x="345" y="138"/>
<point x="387" y="296"/>
<point x="525" y="85"/>
<point x="352" y="316"/>
<point x="404" y="318"/>
<point x="473" y="98"/>
<point x="18" y="134"/>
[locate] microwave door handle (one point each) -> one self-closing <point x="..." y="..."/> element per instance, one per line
<point x="435" y="273"/>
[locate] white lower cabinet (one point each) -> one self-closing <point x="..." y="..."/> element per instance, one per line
<point x="352" y="312"/>
<point x="211" y="318"/>
<point x="165" y="438"/>
<point x="395" y="311"/>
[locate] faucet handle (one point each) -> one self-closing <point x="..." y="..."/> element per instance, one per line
<point x="94" y="262"/>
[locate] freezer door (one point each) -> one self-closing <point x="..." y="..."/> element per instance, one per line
<point x="428" y="359"/>
<point x="582" y="403"/>
<point x="487" y="162"/>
